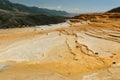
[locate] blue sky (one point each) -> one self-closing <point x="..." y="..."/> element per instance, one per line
<point x="74" y="6"/>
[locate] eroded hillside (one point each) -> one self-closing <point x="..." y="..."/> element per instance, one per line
<point x="97" y="17"/>
<point x="84" y="50"/>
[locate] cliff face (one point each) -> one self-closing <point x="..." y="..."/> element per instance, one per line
<point x="81" y="51"/>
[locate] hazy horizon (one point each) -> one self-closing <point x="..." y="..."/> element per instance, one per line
<point x="76" y="6"/>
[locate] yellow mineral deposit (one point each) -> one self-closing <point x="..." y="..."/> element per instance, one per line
<point x="87" y="49"/>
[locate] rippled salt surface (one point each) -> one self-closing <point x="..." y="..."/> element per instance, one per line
<point x="53" y="26"/>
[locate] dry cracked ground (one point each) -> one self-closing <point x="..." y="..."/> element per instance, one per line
<point x="88" y="51"/>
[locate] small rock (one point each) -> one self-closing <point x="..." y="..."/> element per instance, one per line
<point x="76" y="41"/>
<point x="114" y="62"/>
<point x="77" y="46"/>
<point x="114" y="54"/>
<point x="96" y="53"/>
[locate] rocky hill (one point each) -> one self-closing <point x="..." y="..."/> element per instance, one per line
<point x="10" y="19"/>
<point x="17" y="15"/>
<point x="98" y="16"/>
<point x="7" y="5"/>
<point x="115" y="10"/>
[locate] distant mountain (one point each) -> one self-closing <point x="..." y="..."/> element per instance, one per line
<point x="7" y="5"/>
<point x="9" y="19"/>
<point x="115" y="10"/>
<point x="14" y="15"/>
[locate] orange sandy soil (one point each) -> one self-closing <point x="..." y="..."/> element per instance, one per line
<point x="74" y="61"/>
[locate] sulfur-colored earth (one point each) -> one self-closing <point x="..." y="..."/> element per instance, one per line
<point x="89" y="51"/>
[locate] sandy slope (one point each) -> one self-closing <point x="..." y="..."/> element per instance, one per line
<point x="79" y="52"/>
